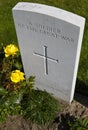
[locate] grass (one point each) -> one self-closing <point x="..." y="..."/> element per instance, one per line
<point x="80" y="7"/>
<point x="40" y="107"/>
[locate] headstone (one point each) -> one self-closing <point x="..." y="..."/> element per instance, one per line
<point x="50" y="43"/>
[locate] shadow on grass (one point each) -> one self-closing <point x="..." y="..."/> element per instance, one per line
<point x="81" y="93"/>
<point x="64" y="120"/>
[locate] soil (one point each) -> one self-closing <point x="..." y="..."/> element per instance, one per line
<point x="78" y="108"/>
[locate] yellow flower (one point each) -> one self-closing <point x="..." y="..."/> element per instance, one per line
<point x="10" y="50"/>
<point x="17" y="76"/>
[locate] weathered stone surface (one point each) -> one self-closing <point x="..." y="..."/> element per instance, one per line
<point x="50" y="43"/>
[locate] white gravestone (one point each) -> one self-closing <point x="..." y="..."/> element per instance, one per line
<point x="50" y="43"/>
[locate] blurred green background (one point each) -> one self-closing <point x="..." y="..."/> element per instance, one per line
<point x="80" y="7"/>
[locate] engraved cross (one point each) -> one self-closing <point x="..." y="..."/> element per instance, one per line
<point x="46" y="58"/>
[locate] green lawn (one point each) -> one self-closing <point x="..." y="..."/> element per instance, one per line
<point x="80" y="7"/>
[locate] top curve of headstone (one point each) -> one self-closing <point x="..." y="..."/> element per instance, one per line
<point x="51" y="11"/>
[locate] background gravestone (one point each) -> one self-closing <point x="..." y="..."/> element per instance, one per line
<point x="50" y="43"/>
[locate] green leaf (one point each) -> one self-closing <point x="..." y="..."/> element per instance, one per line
<point x="18" y="98"/>
<point x="30" y="82"/>
<point x="85" y="121"/>
<point x="15" y="98"/>
<point x="18" y="65"/>
<point x="80" y="128"/>
<point x="3" y="91"/>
